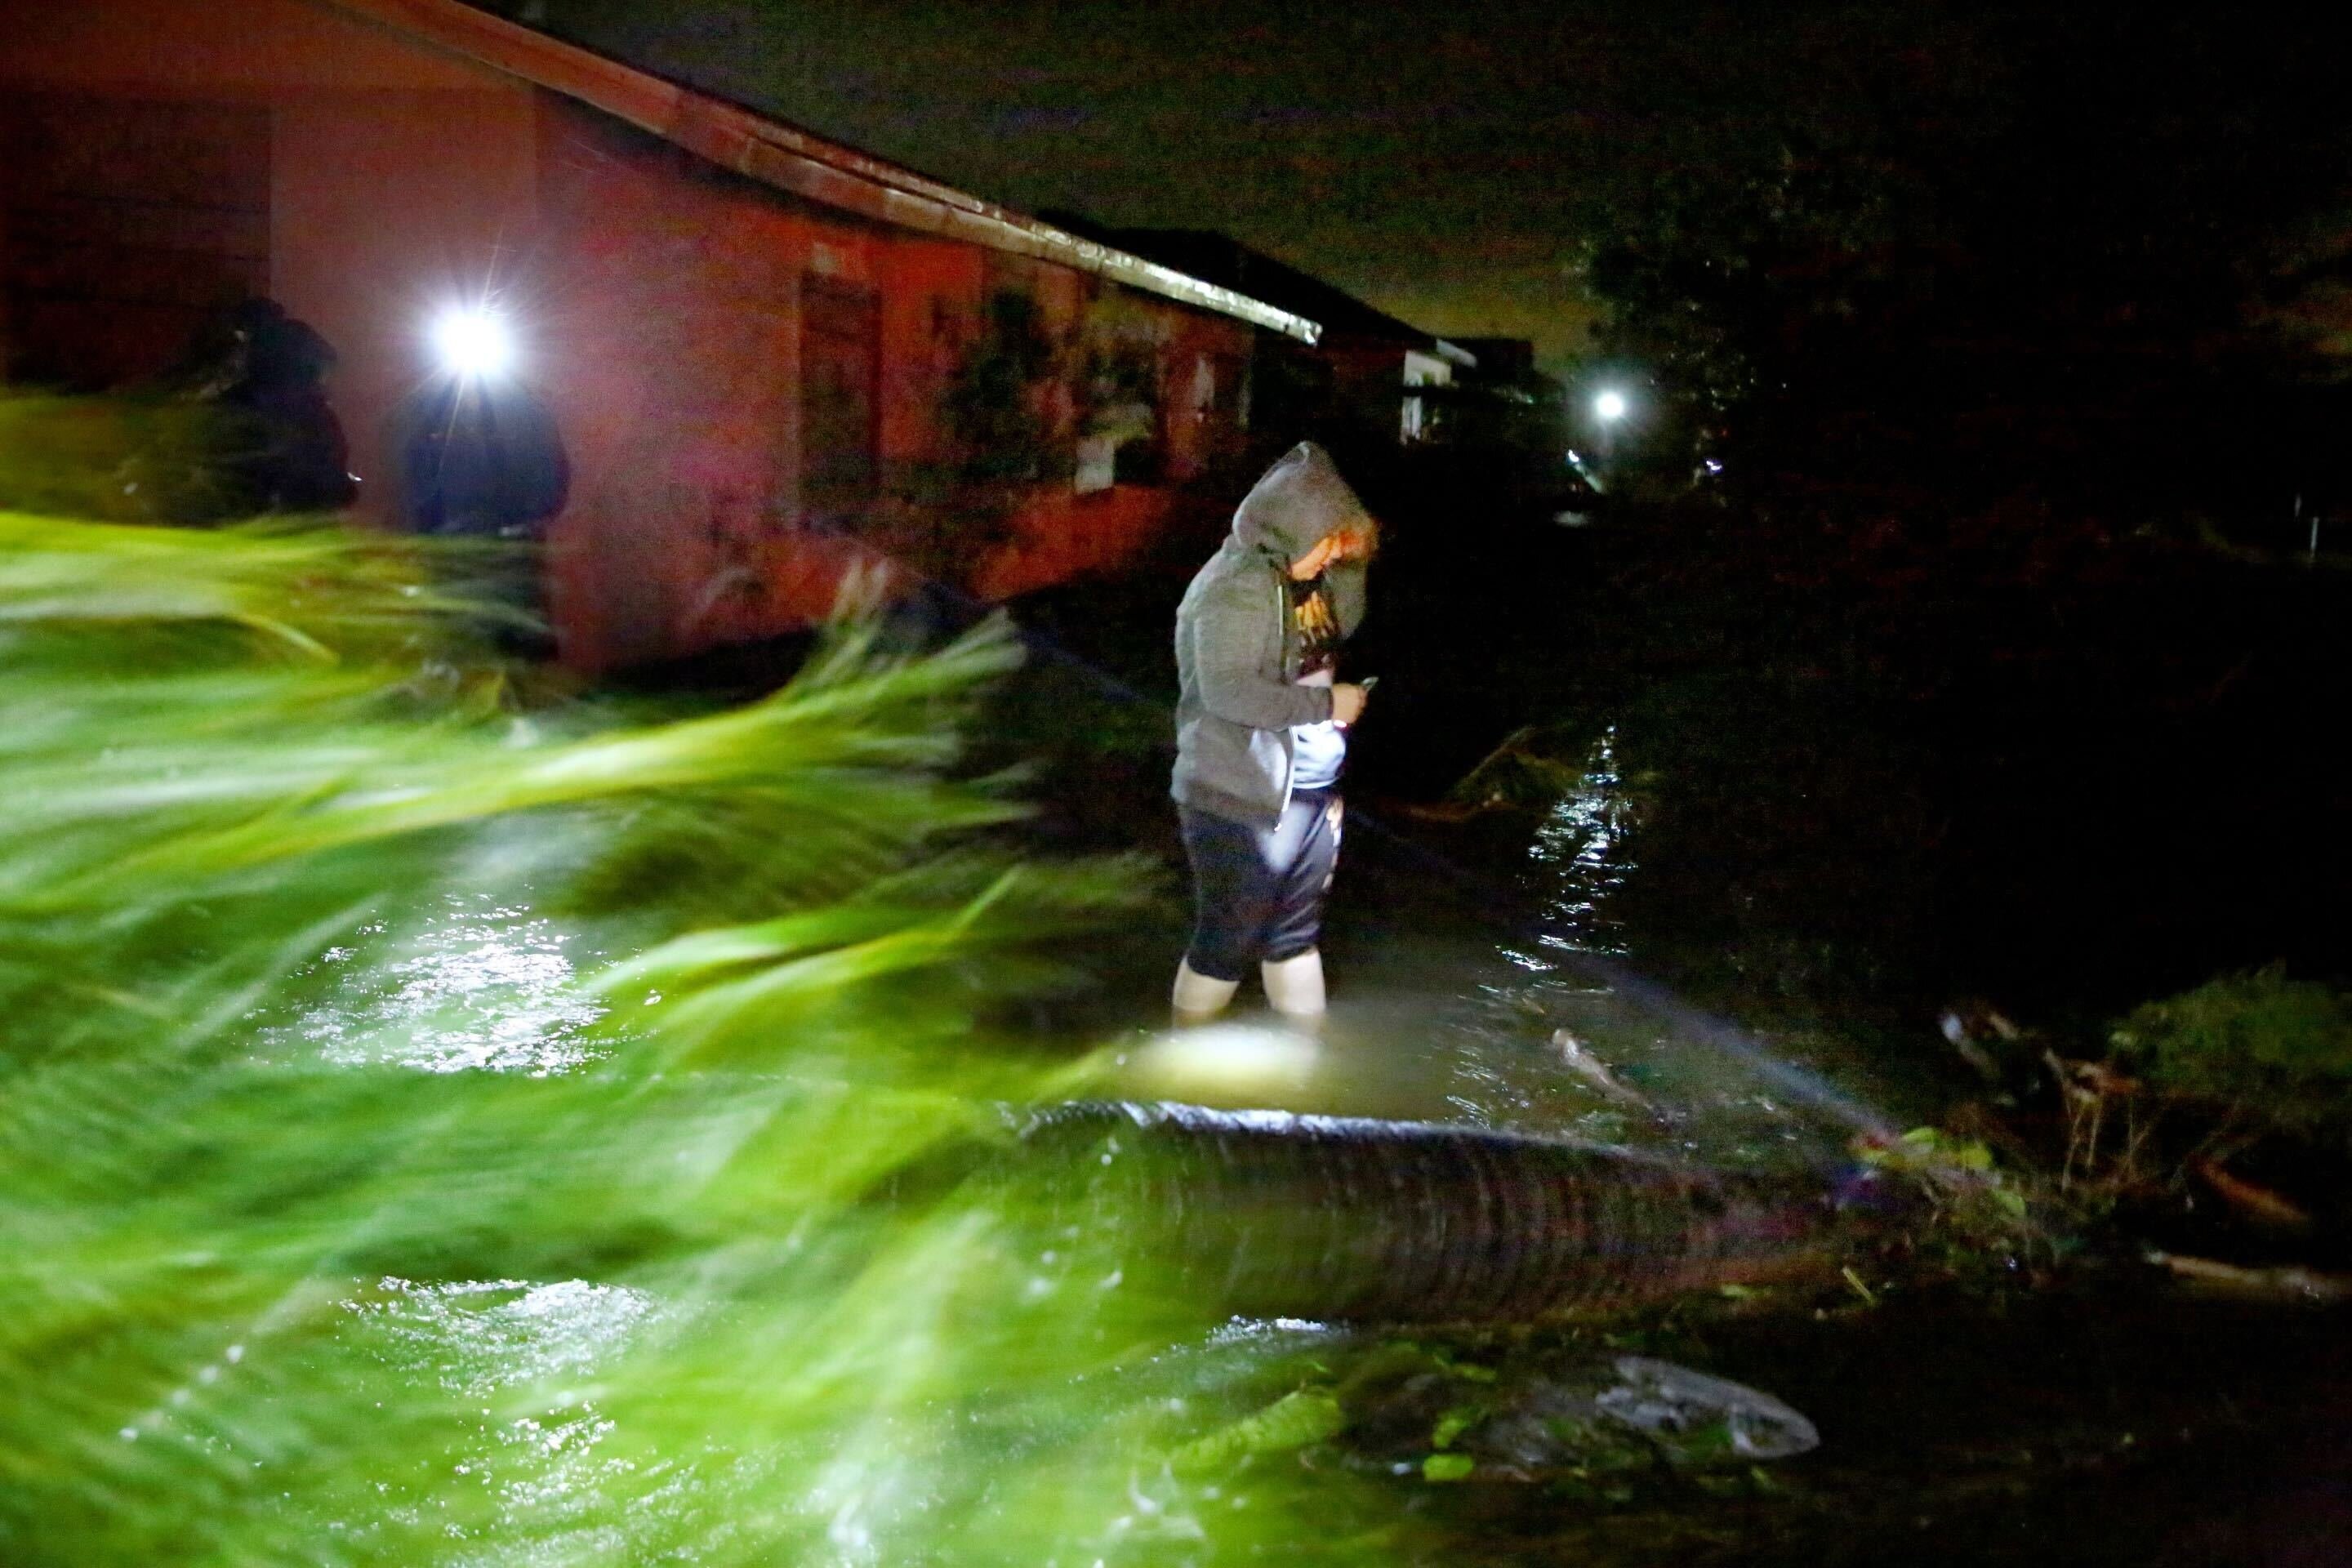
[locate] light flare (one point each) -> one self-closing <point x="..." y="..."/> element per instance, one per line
<point x="473" y="343"/>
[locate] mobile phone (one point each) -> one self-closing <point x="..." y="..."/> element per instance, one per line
<point x="1367" y="683"/>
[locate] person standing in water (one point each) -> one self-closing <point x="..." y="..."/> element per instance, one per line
<point x="1261" y="734"/>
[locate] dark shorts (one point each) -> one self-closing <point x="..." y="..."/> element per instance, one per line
<point x="1257" y="892"/>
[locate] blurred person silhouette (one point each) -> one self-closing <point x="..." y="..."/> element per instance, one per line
<point x="481" y="457"/>
<point x="279" y="447"/>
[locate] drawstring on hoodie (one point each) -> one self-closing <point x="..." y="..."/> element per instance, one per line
<point x="1298" y="502"/>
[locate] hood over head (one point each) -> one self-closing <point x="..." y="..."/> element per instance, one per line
<point x="1295" y="503"/>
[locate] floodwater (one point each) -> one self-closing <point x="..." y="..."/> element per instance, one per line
<point x="1455" y="1015"/>
<point x="1462" y="1011"/>
<point x="489" y="987"/>
<point x="1592" y="965"/>
<point x="1451" y="989"/>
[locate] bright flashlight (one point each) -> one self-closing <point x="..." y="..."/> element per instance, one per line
<point x="473" y="343"/>
<point x="1610" y="407"/>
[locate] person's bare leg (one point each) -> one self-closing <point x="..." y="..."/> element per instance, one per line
<point x="1197" y="998"/>
<point x="1293" y="987"/>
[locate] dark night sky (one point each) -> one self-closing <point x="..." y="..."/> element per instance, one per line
<point x="1415" y="155"/>
<point x="1428" y="158"/>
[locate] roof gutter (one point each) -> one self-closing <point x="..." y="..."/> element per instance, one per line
<point x="793" y="160"/>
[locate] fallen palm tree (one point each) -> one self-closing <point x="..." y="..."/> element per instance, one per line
<point x="1273" y="1214"/>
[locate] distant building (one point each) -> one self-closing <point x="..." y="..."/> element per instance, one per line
<point x="1366" y="369"/>
<point x="769" y="357"/>
<point x="1504" y="361"/>
<point x="1506" y="403"/>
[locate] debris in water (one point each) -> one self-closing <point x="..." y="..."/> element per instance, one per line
<point x="2288" y="1283"/>
<point x="1698" y="1417"/>
<point x="1967" y="1024"/>
<point x="1869" y="1296"/>
<point x="1618" y="1416"/>
<point x="1595" y="1072"/>
<point x="2255" y="1203"/>
<point x="1295" y="1420"/>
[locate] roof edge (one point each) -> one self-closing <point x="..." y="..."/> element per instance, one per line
<point x="793" y="160"/>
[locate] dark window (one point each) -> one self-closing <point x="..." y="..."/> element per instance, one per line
<point x="127" y="226"/>
<point x="1231" y="404"/>
<point x="840" y="353"/>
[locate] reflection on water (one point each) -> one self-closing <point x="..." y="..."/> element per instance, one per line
<point x="1581" y="853"/>
<point x="1426" y="1025"/>
<point x="1235" y="1064"/>
<point x="484" y="1338"/>
<point x="489" y="987"/>
<point x="479" y="1336"/>
<point x="1535" y="1019"/>
<point x="1488" y="1054"/>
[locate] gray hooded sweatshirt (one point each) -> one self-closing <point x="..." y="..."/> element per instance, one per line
<point x="1237" y="655"/>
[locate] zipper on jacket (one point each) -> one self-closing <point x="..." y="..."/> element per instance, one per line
<point x="1282" y="668"/>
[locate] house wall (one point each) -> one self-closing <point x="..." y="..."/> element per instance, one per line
<point x="1367" y="384"/>
<point x="660" y="303"/>
<point x="666" y="308"/>
<point x="672" y="304"/>
<point x="396" y="175"/>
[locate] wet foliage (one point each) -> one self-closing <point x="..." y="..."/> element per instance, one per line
<point x="446" y="1121"/>
<point x="2274" y="1048"/>
<point x="445" y="1125"/>
<point x="148" y="459"/>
